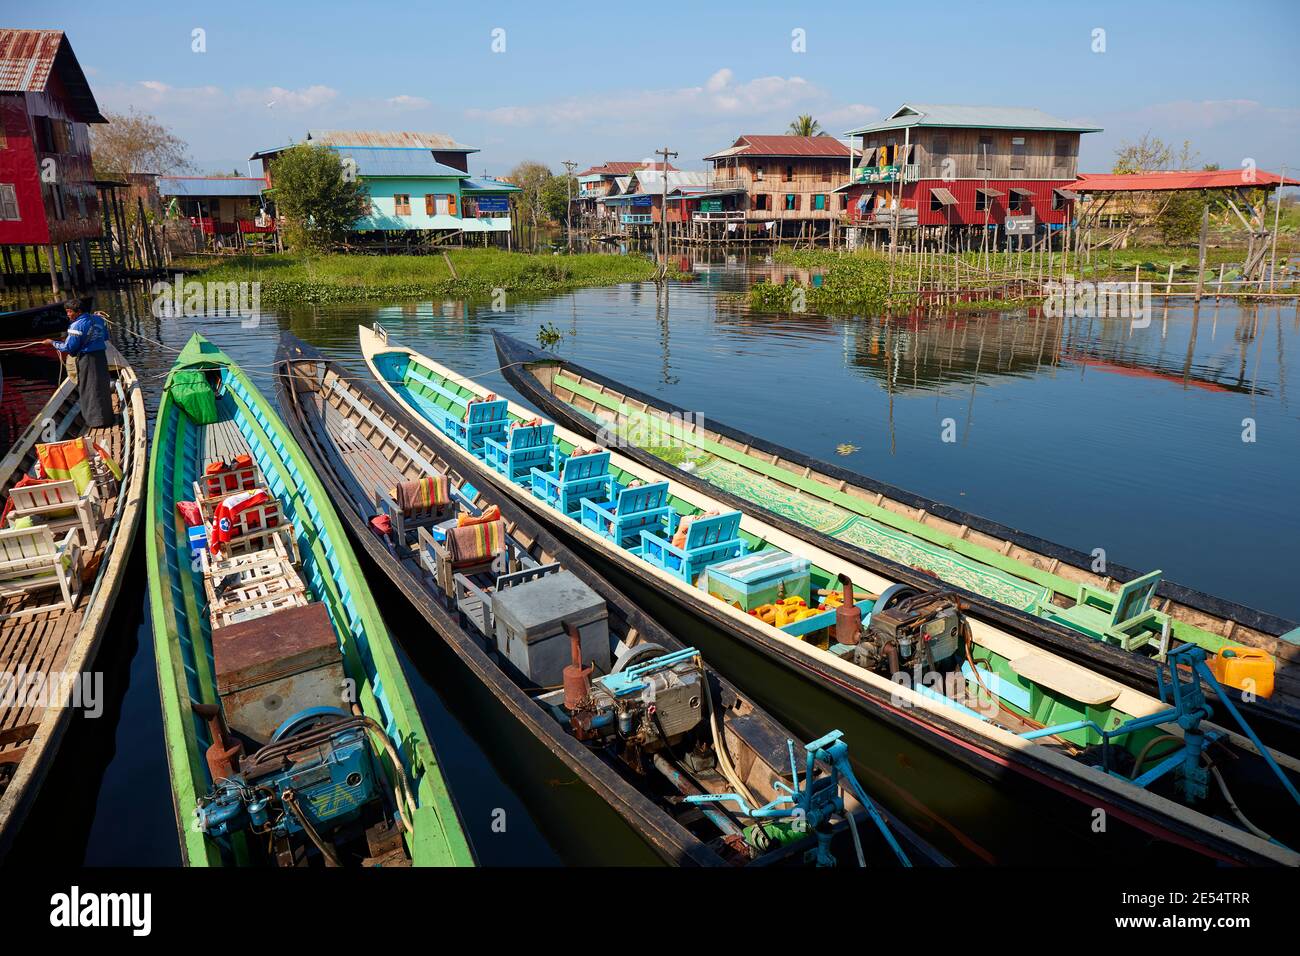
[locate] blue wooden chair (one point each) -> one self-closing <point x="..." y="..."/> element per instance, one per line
<point x="526" y="447"/>
<point x="578" y="477"/>
<point x="716" y="538"/>
<point x="635" y="510"/>
<point x="484" y="420"/>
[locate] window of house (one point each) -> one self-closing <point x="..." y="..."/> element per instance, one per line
<point x="935" y="204"/>
<point x="1058" y="201"/>
<point x="1017" y="152"/>
<point x="1061" y="155"/>
<point x="758" y="173"/>
<point x="430" y="204"/>
<point x="984" y="155"/>
<point x="8" y="202"/>
<point x="789" y="174"/>
<point x="938" y="153"/>
<point x="1013" y="201"/>
<point x="56" y="202"/>
<point x="981" y="201"/>
<point x="402" y="204"/>
<point x="451" y="204"/>
<point x="844" y="201"/>
<point x="819" y="201"/>
<point x="791" y="201"/>
<point x="762" y="201"/>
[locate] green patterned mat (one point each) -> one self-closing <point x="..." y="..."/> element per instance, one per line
<point x="872" y="536"/>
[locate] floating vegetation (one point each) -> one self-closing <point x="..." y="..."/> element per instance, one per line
<point x="548" y="336"/>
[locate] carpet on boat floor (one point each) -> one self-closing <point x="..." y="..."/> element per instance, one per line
<point x="872" y="536"/>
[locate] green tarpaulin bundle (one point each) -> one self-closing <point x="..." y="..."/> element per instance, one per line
<point x="191" y="390"/>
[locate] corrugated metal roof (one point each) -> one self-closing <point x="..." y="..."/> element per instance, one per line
<point x="487" y="185"/>
<point x="748" y="145"/>
<point x="28" y="57"/>
<point x="621" y="168"/>
<point x="210" y="186"/>
<point x="977" y="117"/>
<point x="391" y="140"/>
<point x="1163" y="182"/>
<point x="374" y="161"/>
<point x="652" y="180"/>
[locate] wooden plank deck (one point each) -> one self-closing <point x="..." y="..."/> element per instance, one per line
<point x="42" y="642"/>
<point x="222" y="441"/>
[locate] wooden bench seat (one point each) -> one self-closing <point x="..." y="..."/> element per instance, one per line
<point x="31" y="561"/>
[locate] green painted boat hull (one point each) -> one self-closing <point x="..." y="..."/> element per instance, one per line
<point x="181" y="631"/>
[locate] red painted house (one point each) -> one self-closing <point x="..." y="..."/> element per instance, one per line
<point x="967" y="168"/>
<point x="47" y="191"/>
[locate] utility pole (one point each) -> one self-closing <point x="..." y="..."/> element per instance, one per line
<point x="663" y="212"/>
<point x="568" y="209"/>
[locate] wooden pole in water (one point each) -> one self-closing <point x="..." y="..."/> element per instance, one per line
<point x="1200" y="256"/>
<point x="1277" y="210"/>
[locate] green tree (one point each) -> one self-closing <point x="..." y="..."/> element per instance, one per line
<point x="531" y="177"/>
<point x="555" y="197"/>
<point x="316" y="197"/>
<point x="805" y="125"/>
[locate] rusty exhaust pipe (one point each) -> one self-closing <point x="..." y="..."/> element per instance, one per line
<point x="848" y="616"/>
<point x="225" y="750"/>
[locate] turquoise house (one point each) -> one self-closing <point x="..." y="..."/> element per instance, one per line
<point x="418" y="182"/>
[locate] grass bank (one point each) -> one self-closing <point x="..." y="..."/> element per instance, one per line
<point x="290" y="278"/>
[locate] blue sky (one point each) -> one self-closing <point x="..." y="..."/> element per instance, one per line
<point x="593" y="82"/>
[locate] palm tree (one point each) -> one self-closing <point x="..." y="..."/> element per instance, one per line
<point x="805" y="125"/>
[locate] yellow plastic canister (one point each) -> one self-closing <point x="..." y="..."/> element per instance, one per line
<point x="1245" y="668"/>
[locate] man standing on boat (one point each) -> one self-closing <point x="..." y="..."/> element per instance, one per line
<point x="87" y="340"/>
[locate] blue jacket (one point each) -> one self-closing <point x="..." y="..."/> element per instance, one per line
<point x="88" y="333"/>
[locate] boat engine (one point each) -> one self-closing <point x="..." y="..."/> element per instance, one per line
<point x="912" y="630"/>
<point x="317" y="775"/>
<point x="646" y="707"/>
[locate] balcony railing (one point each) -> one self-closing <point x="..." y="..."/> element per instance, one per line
<point x="732" y="182"/>
<point x="727" y="215"/>
<point x="636" y="219"/>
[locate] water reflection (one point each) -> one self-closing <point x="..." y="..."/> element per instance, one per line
<point x="1090" y="432"/>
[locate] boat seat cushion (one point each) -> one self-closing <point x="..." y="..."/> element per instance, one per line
<point x="423" y="495"/>
<point x="476" y="543"/>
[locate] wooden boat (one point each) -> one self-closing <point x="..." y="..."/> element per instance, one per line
<point x="1043" y="589"/>
<point x="983" y="694"/>
<point x="703" y="737"/>
<point x="59" y="579"/>
<point x="36" y="321"/>
<point x="273" y="661"/>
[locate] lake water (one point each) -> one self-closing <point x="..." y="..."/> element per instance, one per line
<point x="1095" y="434"/>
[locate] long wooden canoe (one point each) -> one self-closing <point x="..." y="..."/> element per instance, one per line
<point x="63" y="643"/>
<point x="910" y="538"/>
<point x="358" y="438"/>
<point x="1023" y="687"/>
<point x="36" y="321"/>
<point x="432" y="832"/>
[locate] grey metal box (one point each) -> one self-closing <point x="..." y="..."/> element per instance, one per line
<point x="530" y="624"/>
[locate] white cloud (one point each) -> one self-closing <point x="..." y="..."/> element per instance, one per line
<point x="156" y="95"/>
<point x="720" y="96"/>
<point x="407" y="102"/>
